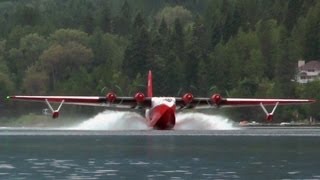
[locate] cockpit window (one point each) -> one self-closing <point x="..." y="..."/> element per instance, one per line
<point x="168" y="100"/>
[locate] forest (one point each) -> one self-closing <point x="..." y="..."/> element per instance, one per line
<point x="238" y="48"/>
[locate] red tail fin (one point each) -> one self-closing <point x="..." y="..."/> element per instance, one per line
<point x="150" y="91"/>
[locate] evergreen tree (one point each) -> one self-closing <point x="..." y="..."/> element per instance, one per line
<point x="88" y="24"/>
<point x="293" y="13"/>
<point x="123" y="21"/>
<point x="138" y="23"/>
<point x="196" y="51"/>
<point x="177" y="41"/>
<point x="6" y="84"/>
<point x="312" y="34"/>
<point x="27" y="15"/>
<point x="105" y="18"/>
<point x="137" y="54"/>
<point x="285" y="67"/>
<point x="268" y="33"/>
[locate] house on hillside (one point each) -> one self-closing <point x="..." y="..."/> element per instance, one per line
<point x="308" y="72"/>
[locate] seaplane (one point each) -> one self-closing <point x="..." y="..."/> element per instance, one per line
<point x="159" y="112"/>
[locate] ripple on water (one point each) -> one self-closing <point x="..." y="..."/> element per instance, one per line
<point x="139" y="163"/>
<point x="112" y="163"/>
<point x="6" y="166"/>
<point x="293" y="172"/>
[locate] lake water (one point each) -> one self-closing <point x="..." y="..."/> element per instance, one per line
<point x="117" y="145"/>
<point x="252" y="153"/>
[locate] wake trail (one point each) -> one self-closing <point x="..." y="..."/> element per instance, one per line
<point x="113" y="120"/>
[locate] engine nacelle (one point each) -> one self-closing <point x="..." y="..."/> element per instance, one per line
<point x="139" y="97"/>
<point x="216" y="99"/>
<point x="187" y="98"/>
<point x="111" y="97"/>
<point x="55" y="114"/>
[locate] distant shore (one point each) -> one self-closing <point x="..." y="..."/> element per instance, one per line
<point x="283" y="124"/>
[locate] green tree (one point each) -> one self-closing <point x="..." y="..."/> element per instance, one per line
<point x="221" y="68"/>
<point x="138" y="54"/>
<point x="123" y="22"/>
<point x="203" y="77"/>
<point x="285" y="67"/>
<point x="268" y="33"/>
<point x="108" y="50"/>
<point x="6" y="84"/>
<point x="80" y="83"/>
<point x="63" y="36"/>
<point x="62" y="61"/>
<point x="293" y="13"/>
<point x="177" y="40"/>
<point x="27" y="15"/>
<point x="105" y="18"/>
<point x="31" y="46"/>
<point x="14" y="57"/>
<point x="247" y="49"/>
<point x="138" y="23"/>
<point x="174" y="78"/>
<point x="311" y="90"/>
<point x="88" y="23"/>
<point x="159" y="51"/>
<point x="196" y="51"/>
<point x="170" y="14"/>
<point x="97" y="45"/>
<point x="245" y="88"/>
<point x="16" y="34"/>
<point x="312" y="34"/>
<point x="35" y="81"/>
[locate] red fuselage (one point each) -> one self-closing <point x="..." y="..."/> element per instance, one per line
<point x="162" y="115"/>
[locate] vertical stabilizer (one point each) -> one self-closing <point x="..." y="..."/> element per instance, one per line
<point x="150" y="91"/>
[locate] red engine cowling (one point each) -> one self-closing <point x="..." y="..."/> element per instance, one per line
<point x="216" y="99"/>
<point x="139" y="97"/>
<point x="187" y="98"/>
<point x="111" y="97"/>
<point x="55" y="114"/>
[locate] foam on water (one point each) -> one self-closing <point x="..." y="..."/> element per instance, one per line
<point x="113" y="120"/>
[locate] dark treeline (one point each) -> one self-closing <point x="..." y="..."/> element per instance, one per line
<point x="239" y="48"/>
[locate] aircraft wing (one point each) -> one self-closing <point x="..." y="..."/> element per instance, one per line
<point x="188" y="102"/>
<point x="116" y="102"/>
<point x="110" y="101"/>
<point x="203" y="103"/>
<point x="242" y="102"/>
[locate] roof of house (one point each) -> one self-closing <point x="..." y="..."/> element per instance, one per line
<point x="311" y="65"/>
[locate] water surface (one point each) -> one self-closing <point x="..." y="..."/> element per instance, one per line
<point x="254" y="153"/>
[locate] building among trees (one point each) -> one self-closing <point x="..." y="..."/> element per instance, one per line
<point x="308" y="72"/>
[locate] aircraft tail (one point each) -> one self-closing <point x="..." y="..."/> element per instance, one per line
<point x="150" y="91"/>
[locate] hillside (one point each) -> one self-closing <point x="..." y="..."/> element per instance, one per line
<point x="239" y="48"/>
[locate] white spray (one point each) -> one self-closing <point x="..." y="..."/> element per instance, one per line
<point x="114" y="120"/>
<point x="199" y="121"/>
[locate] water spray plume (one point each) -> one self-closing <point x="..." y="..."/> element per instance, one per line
<point x="199" y="121"/>
<point x="113" y="120"/>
